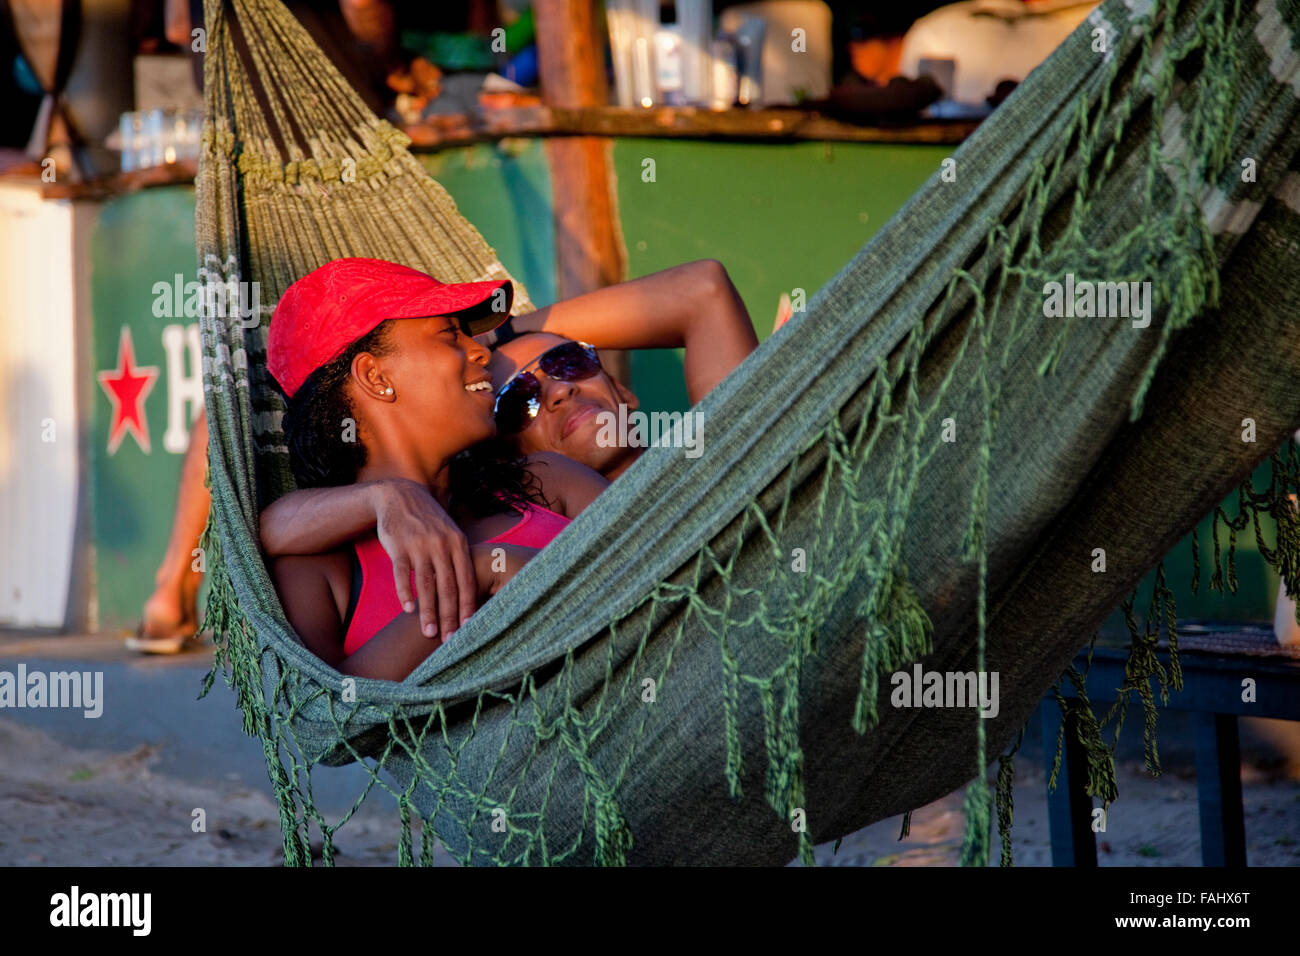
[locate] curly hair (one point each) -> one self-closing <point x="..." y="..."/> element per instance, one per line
<point x="488" y="479"/>
<point x="491" y="478"/>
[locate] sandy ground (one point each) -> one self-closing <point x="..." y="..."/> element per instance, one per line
<point x="125" y="793"/>
<point x="67" y="807"/>
<point x="1154" y="822"/>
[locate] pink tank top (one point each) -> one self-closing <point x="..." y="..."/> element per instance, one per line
<point x="377" y="603"/>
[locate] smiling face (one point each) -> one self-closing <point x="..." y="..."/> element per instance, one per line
<point x="566" y="419"/>
<point x="442" y="397"/>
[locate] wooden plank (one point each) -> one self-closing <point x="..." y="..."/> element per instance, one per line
<point x="680" y="122"/>
<point x="749" y="124"/>
<point x="1247" y="686"/>
<point x="106" y="187"/>
<point x="460" y="129"/>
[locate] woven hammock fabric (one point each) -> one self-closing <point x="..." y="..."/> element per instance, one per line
<point x="664" y="684"/>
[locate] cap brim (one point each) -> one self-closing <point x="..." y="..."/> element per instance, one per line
<point x="472" y="304"/>
<point x="482" y="317"/>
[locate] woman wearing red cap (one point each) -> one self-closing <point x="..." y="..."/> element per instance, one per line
<point x="693" y="306"/>
<point x="385" y="383"/>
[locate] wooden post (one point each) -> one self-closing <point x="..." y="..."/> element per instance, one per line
<point x="1218" y="786"/>
<point x="589" y="250"/>
<point x="1069" y="808"/>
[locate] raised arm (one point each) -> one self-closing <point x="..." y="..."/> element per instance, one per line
<point x="693" y="306"/>
<point x="413" y="528"/>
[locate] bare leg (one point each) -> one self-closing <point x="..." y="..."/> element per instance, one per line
<point x="172" y="609"/>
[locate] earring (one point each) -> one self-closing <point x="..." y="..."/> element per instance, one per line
<point x="388" y="390"/>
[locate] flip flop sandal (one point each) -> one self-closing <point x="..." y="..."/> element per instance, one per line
<point x="171" y="644"/>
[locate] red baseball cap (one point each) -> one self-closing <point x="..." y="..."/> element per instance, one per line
<point x="329" y="308"/>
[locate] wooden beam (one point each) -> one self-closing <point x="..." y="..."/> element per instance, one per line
<point x="118" y="184"/>
<point x="571" y="54"/>
<point x="674" y="122"/>
<point x="589" y="251"/>
<point x="456" y="130"/>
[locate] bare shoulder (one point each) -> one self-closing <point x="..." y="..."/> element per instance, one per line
<point x="552" y="465"/>
<point x="569" y="483"/>
<point x="548" y="460"/>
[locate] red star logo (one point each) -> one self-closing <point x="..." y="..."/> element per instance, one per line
<point x="127" y="387"/>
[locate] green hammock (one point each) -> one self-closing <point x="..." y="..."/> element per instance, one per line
<point x="917" y="468"/>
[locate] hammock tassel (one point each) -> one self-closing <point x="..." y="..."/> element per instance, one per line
<point x="613" y="835"/>
<point x="975" y="839"/>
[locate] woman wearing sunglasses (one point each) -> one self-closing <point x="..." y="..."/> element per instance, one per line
<point x="551" y="394"/>
<point x="386" y="386"/>
<point x="550" y="390"/>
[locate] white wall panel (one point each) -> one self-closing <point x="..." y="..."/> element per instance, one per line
<point x="39" y="426"/>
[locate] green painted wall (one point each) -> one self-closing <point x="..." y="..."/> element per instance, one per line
<point x="778" y="216"/>
<point x="505" y="191"/>
<point x="138" y="240"/>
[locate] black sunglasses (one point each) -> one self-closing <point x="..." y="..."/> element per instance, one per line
<point x="520" y="399"/>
